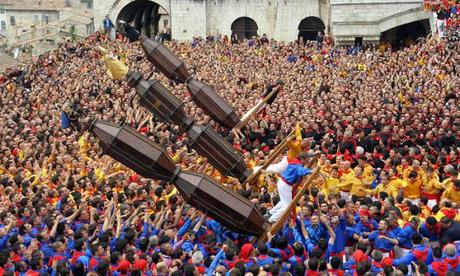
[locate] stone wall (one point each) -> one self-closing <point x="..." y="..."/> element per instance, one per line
<point x="279" y="19"/>
<point x="188" y="19"/>
<point x="369" y="18"/>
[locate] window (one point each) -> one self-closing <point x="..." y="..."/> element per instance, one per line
<point x="165" y="23"/>
<point x="2" y="10"/>
<point x="45" y="19"/>
<point x="12" y="21"/>
<point x="36" y="19"/>
<point x="3" y="25"/>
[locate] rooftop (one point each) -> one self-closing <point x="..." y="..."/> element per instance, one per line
<point x="36" y="5"/>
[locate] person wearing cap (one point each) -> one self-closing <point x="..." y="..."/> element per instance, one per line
<point x="366" y="223"/>
<point x="293" y="174"/>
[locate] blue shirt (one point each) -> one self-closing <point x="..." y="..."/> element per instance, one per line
<point x="264" y="260"/>
<point x="108" y="23"/>
<point x="382" y="244"/>
<point x="316" y="233"/>
<point x="294" y="172"/>
<point x="427" y="233"/>
<point x="340" y="236"/>
<point x="404" y="237"/>
<point x="364" y="228"/>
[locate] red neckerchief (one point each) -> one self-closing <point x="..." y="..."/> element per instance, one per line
<point x="440" y="267"/>
<point x="368" y="224"/>
<point x="295" y="162"/>
<point x="336" y="272"/>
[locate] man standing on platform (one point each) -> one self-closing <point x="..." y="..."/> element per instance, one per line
<point x="108" y="25"/>
<point x="292" y="175"/>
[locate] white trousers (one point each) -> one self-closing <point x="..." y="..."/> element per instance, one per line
<point x="432" y="203"/>
<point x="285" y="194"/>
<point x="400" y="252"/>
<point x="279" y="167"/>
<point x="415" y="201"/>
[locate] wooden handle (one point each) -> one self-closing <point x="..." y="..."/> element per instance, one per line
<point x="312" y="162"/>
<point x="256" y="109"/>
<point x="278" y="150"/>
<point x="276" y="227"/>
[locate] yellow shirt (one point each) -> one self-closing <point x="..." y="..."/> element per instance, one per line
<point x="401" y="169"/>
<point x="356" y="186"/>
<point x="408" y="170"/>
<point x="176" y="158"/>
<point x="83" y="144"/>
<point x="452" y="194"/>
<point x="173" y="192"/>
<point x="326" y="170"/>
<point x="431" y="185"/>
<point x="100" y="174"/>
<point x="447" y="183"/>
<point x="331" y="186"/>
<point x="294" y="147"/>
<point x="389" y="189"/>
<point x="367" y="173"/>
<point x="412" y="189"/>
<point x="397" y="183"/>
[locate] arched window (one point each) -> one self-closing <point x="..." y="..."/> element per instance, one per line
<point x="309" y="28"/>
<point x="244" y="27"/>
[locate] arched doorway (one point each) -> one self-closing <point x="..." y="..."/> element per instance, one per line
<point x="406" y="34"/>
<point x="309" y="28"/>
<point x="148" y="17"/>
<point x="244" y="27"/>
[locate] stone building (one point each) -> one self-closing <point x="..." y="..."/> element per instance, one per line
<point x="349" y="21"/>
<point x="27" y="19"/>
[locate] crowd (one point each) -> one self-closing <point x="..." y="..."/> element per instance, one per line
<point x="386" y="124"/>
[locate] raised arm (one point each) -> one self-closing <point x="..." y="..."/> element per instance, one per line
<point x="331" y="232"/>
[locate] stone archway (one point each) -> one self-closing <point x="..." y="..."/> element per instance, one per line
<point x="406" y="34"/>
<point x="402" y="18"/>
<point x="149" y="17"/>
<point x="309" y="28"/>
<point x="244" y="27"/>
<point x="403" y="28"/>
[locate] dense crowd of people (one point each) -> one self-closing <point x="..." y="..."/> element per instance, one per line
<point x="386" y="124"/>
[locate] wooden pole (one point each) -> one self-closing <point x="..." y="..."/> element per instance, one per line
<point x="246" y="117"/>
<point x="276" y="227"/>
<point x="278" y="150"/>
